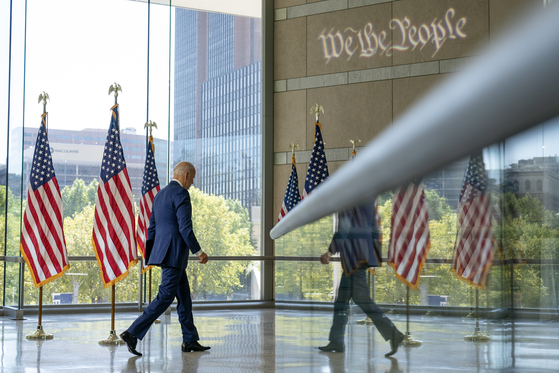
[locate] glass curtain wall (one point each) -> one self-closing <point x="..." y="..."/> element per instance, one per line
<point x="165" y="77"/>
<point x="523" y="185"/>
<point x="521" y="280"/>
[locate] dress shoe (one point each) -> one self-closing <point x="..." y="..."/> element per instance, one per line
<point x="394" y="344"/>
<point x="193" y="346"/>
<point x="333" y="347"/>
<point x="131" y="342"/>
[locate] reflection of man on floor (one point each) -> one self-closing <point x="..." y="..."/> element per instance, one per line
<point x="357" y="242"/>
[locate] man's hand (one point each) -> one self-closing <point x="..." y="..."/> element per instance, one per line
<point x="203" y="258"/>
<point x="325" y="258"/>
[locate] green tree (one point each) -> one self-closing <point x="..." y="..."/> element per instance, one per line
<point x="222" y="227"/>
<point x="528" y="230"/>
<point x="305" y="280"/>
<point x="76" y="197"/>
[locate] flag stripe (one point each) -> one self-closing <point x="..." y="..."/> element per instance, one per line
<point x="42" y="242"/>
<point x="113" y="229"/>
<point x="150" y="187"/>
<point x="410" y="237"/>
<point x="42" y="223"/>
<point x="292" y="196"/>
<point x="473" y="252"/>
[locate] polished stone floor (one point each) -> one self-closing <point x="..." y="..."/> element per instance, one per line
<point x="277" y="340"/>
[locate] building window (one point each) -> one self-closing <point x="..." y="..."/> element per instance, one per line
<point x="539" y="186"/>
<point x="527" y="185"/>
<point x="516" y="186"/>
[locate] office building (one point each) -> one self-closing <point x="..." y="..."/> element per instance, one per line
<point x="217" y="102"/>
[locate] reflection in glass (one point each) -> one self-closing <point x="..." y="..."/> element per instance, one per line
<point x="11" y="287"/>
<point x="217" y="80"/>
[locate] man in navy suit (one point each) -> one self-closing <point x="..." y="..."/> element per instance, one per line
<point x="170" y="228"/>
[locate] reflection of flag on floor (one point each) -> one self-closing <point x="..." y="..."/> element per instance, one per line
<point x="150" y="187"/>
<point x="473" y="251"/>
<point x="42" y="237"/>
<point x="292" y="196"/>
<point x="113" y="227"/>
<point x="410" y="239"/>
<point x="318" y="168"/>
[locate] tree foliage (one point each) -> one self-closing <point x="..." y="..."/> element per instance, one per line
<point x="222" y="228"/>
<point x="305" y="280"/>
<point x="78" y="196"/>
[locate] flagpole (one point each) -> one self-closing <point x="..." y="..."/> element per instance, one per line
<point x="113" y="338"/>
<point x="477" y="335"/>
<point x="149" y="124"/>
<point x="408" y="340"/>
<point x="39" y="333"/>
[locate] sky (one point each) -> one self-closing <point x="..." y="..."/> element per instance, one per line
<point x="76" y="58"/>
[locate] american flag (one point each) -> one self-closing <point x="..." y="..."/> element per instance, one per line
<point x="42" y="237"/>
<point x="473" y="251"/>
<point x="292" y="196"/>
<point x="318" y="169"/>
<point x="150" y="187"/>
<point x="113" y="227"/>
<point x="410" y="237"/>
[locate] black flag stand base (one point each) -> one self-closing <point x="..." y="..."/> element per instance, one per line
<point x="477" y="335"/>
<point x="408" y="340"/>
<point x="113" y="338"/>
<point x="39" y="333"/>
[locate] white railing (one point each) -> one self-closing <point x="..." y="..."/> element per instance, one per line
<point x="513" y="85"/>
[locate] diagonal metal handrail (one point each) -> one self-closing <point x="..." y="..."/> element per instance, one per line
<point x="505" y="90"/>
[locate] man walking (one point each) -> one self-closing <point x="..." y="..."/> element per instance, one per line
<point x="359" y="248"/>
<point x="170" y="230"/>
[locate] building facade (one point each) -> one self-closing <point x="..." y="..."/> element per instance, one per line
<point x="217" y="102"/>
<point x="78" y="155"/>
<point x="538" y="177"/>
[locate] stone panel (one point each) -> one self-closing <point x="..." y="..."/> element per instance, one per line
<point x="356" y="112"/>
<point x="503" y="12"/>
<point x="334" y="166"/>
<point x="286" y="3"/>
<point x="427" y="30"/>
<point x="408" y="90"/>
<point x="290" y="44"/>
<point x="336" y="42"/>
<point x="290" y="120"/>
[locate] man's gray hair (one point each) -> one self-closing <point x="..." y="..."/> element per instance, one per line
<point x="182" y="168"/>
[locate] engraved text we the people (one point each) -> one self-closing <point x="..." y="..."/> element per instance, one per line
<point x="367" y="42"/>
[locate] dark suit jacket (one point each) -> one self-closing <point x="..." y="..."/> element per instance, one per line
<point x="170" y="227"/>
<point x="357" y="239"/>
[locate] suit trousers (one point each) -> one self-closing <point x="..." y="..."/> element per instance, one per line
<point x="355" y="286"/>
<point x="174" y="283"/>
